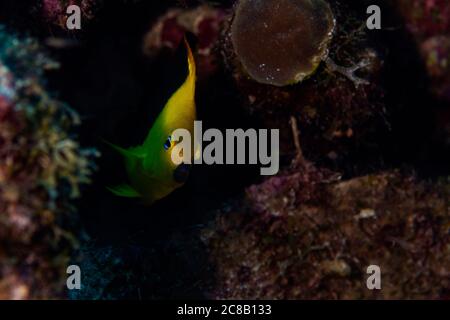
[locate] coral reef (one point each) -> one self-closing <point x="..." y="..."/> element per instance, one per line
<point x="41" y="170"/>
<point x="54" y="11"/>
<point x="363" y="113"/>
<point x="429" y="23"/>
<point x="302" y="235"/>
<point x="305" y="234"/>
<point x="348" y="115"/>
<point x="204" y="21"/>
<point x="340" y="105"/>
<point x="329" y="123"/>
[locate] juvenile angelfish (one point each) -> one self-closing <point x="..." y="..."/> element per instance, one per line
<point x="151" y="172"/>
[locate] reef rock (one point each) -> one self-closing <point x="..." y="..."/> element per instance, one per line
<point x="41" y="170"/>
<point x="303" y="236"/>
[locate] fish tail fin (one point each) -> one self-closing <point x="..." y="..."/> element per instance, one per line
<point x="124" y="190"/>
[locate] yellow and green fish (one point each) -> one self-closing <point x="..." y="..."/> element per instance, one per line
<point x="151" y="172"/>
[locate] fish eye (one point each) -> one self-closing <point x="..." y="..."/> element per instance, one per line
<point x="168" y="143"/>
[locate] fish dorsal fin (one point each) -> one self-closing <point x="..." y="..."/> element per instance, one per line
<point x="183" y="100"/>
<point x="179" y="110"/>
<point x="191" y="65"/>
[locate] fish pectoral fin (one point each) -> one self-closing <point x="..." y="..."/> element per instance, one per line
<point x="124" y="190"/>
<point x="135" y="152"/>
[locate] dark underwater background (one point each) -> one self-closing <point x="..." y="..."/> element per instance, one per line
<point x="131" y="251"/>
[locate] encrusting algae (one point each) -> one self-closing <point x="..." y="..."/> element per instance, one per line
<point x="304" y="235"/>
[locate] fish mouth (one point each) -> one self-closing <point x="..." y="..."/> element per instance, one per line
<point x="181" y="173"/>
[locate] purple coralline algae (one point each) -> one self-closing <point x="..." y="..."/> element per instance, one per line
<point x="307" y="235"/>
<point x="54" y="11"/>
